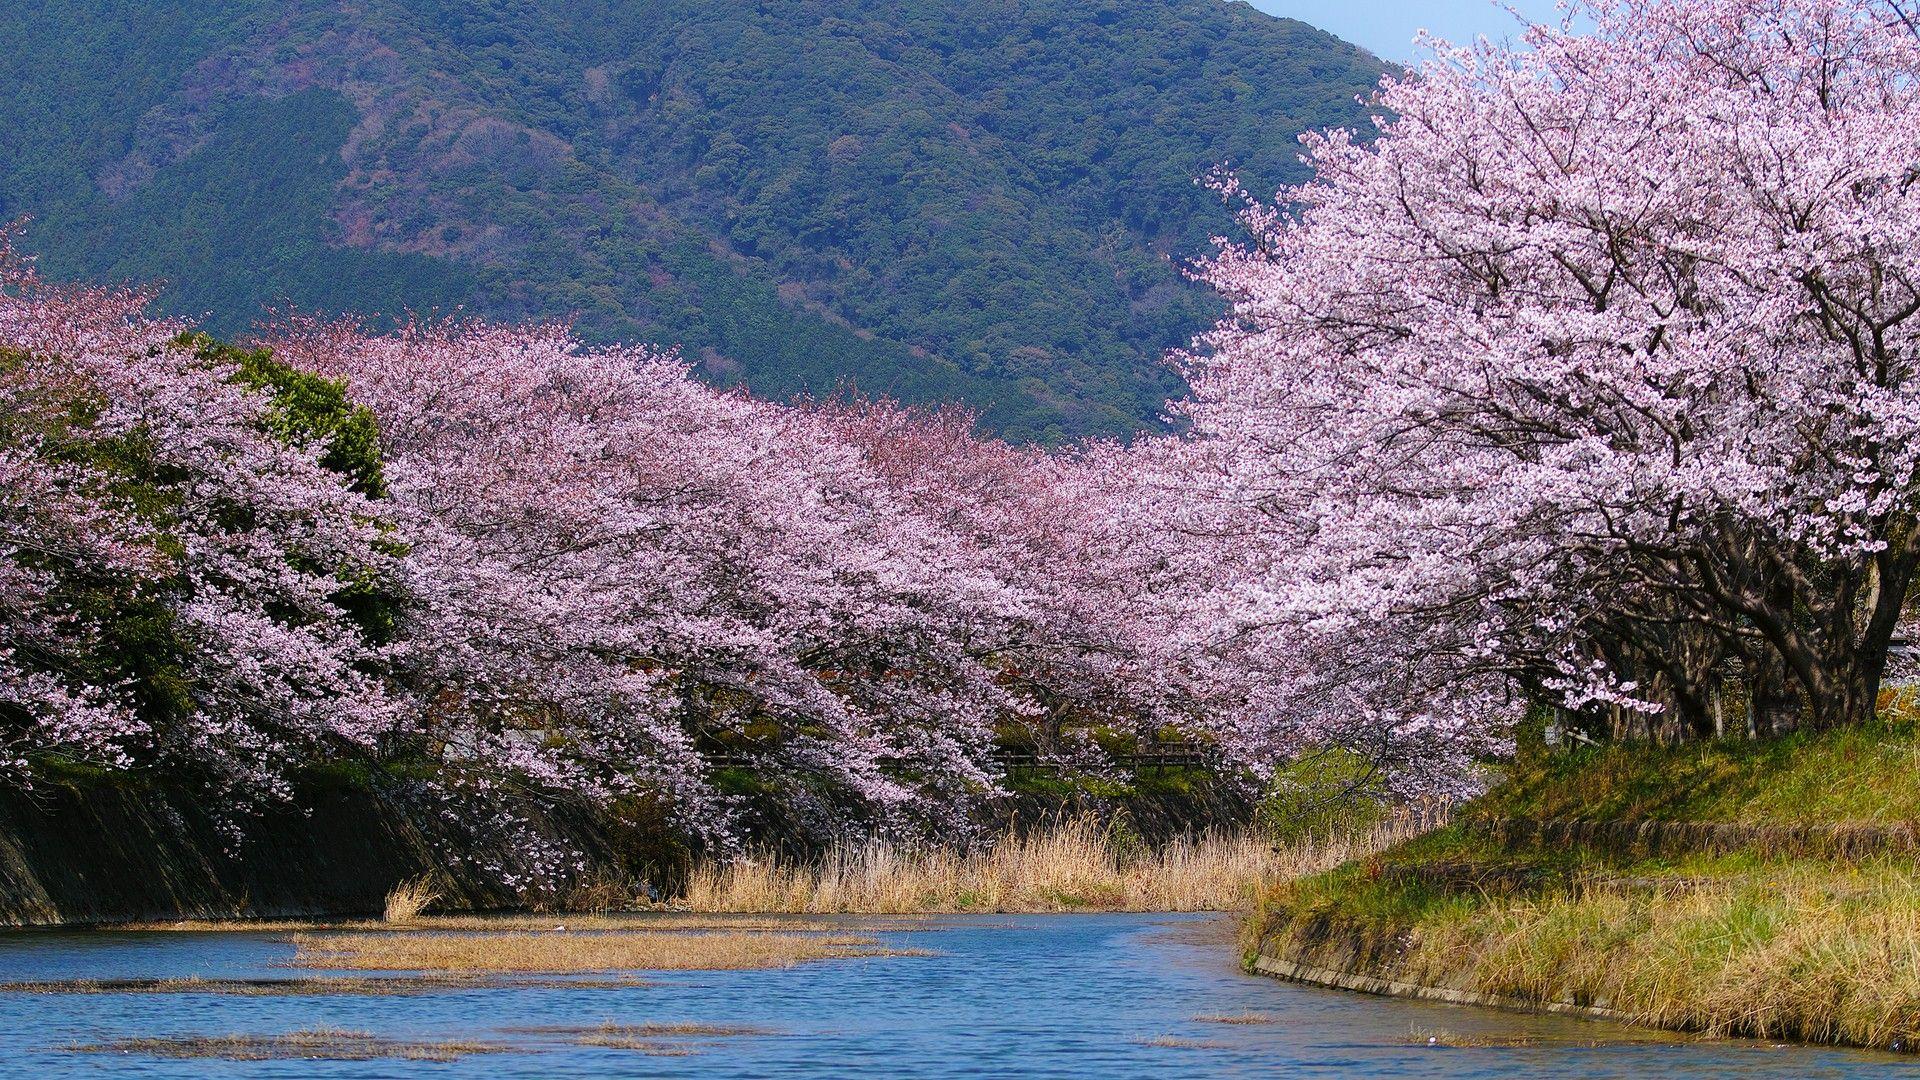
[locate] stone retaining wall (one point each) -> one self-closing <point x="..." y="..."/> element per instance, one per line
<point x="119" y="851"/>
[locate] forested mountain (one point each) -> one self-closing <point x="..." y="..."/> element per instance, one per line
<point x="986" y="200"/>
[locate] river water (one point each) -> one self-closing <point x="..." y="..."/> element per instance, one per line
<point x="1082" y="996"/>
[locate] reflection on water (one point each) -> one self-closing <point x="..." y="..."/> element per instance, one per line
<point x="1081" y="996"/>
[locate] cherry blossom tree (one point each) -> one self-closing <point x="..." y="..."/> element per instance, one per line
<point x="623" y="575"/>
<point x="1593" y="373"/>
<point x="549" y="570"/>
<point x="1062" y="635"/>
<point x="189" y="582"/>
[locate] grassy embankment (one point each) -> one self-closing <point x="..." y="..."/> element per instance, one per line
<point x="1729" y="888"/>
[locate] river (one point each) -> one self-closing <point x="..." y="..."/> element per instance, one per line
<point x="1090" y="997"/>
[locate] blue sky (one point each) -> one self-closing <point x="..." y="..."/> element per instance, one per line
<point x="1386" y="27"/>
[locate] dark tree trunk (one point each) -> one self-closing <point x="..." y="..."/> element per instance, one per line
<point x="1774" y="699"/>
<point x="1843" y="679"/>
<point x="1849" y="692"/>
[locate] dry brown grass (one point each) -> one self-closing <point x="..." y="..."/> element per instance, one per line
<point x="327" y="1044"/>
<point x="320" y="1044"/>
<point x="1073" y="866"/>
<point x="546" y="922"/>
<point x="1808" y="950"/>
<point x="603" y="893"/>
<point x="1815" y="952"/>
<point x="310" y="986"/>
<point x="555" y="953"/>
<point x="409" y="898"/>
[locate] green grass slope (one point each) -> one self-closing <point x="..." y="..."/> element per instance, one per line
<point x="1861" y="775"/>
<point x="1791" y="911"/>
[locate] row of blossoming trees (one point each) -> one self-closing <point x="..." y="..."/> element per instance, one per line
<point x="491" y="557"/>
<point x="1588" y="382"/>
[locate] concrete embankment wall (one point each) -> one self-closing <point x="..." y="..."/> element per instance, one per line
<point x="127" y="851"/>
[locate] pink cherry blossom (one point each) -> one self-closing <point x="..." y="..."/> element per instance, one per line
<point x="145" y="502"/>
<point x="1592" y="376"/>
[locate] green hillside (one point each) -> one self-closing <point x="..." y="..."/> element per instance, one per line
<point x="977" y="200"/>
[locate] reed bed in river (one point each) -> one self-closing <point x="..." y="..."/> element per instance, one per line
<point x="1076" y="865"/>
<point x="562" y="952"/>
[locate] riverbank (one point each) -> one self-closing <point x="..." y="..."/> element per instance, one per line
<point x="121" y="849"/>
<point x="1073" y="865"/>
<point x="1735" y="889"/>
